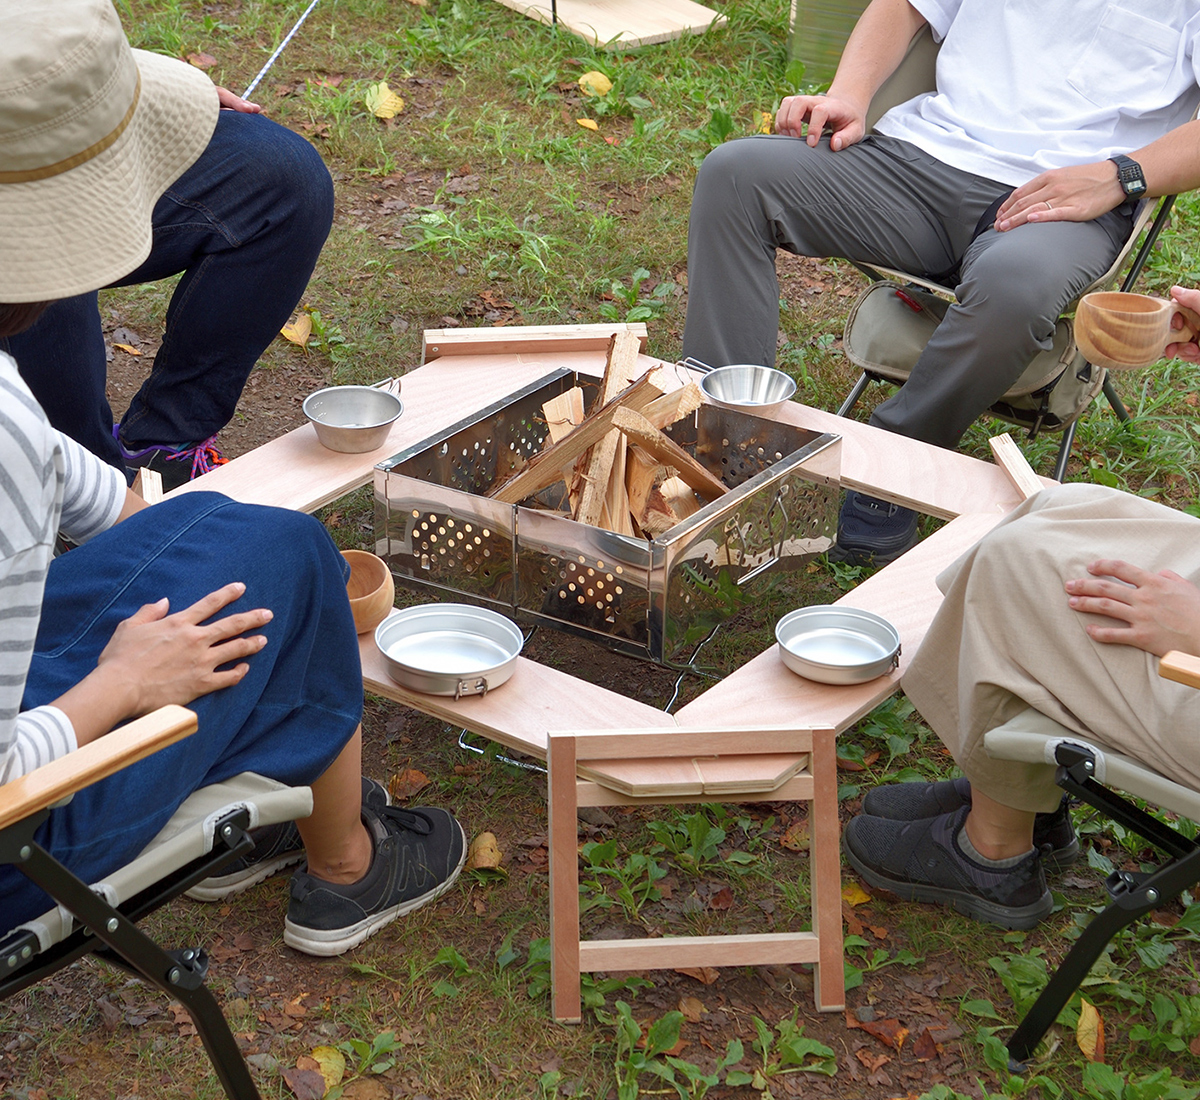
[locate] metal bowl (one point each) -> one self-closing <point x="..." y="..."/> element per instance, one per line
<point x="746" y="388"/>
<point x="352" y="419"/>
<point x="837" y="645"/>
<point x="449" y="648"/>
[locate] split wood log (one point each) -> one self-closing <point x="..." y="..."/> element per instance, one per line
<point x="546" y="468"/>
<point x="657" y="515"/>
<point x="643" y="474"/>
<point x="637" y="428"/>
<point x="674" y="406"/>
<point x="679" y="497"/>
<point x="563" y="413"/>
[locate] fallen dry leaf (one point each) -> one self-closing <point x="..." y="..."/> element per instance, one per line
<point x="924" y="1048"/>
<point x="692" y="1009"/>
<point x="588" y="123"/>
<point x="128" y="349"/>
<point x="419" y="3"/>
<point x="858" y="766"/>
<point x="1089" y="1032"/>
<point x="404" y="784"/>
<point x="484" y="854"/>
<point x="890" y="1031"/>
<point x="331" y="1063"/>
<point x="796" y="838"/>
<point x="595" y="83"/>
<point x="873" y="1062"/>
<point x="368" y="1088"/>
<point x="853" y="925"/>
<point x="705" y="974"/>
<point x="306" y="1084"/>
<point x="382" y="102"/>
<point x="298" y="331"/>
<point x="853" y="894"/>
<point x="722" y="899"/>
<point x="201" y="60"/>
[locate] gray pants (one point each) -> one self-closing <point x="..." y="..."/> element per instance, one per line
<point x="884" y="201"/>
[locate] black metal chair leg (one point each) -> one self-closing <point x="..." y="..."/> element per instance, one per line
<point x="855" y="393"/>
<point x="1114" y="399"/>
<point x="1064" y="451"/>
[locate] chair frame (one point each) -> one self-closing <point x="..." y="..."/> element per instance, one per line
<point x="109" y="932"/>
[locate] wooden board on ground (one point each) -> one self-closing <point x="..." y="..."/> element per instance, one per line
<point x="904" y="593"/>
<point x="623" y="24"/>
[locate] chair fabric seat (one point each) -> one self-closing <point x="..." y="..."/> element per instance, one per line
<point x="1033" y="738"/>
<point x="187" y="836"/>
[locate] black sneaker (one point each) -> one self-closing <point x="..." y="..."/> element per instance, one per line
<point x="418" y="855"/>
<point x="175" y="465"/>
<point x="1053" y="833"/>
<point x="872" y="532"/>
<point x="275" y="847"/>
<point x="922" y="861"/>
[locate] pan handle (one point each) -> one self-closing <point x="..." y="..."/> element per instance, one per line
<point x="694" y="364"/>
<point x="465" y="687"/>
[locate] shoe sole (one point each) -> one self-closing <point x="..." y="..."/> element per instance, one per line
<point x="1017" y="918"/>
<point x="865" y="556"/>
<point x="326" y="944"/>
<point x="220" y="887"/>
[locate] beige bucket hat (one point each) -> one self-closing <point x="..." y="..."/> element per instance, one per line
<point x="92" y="132"/>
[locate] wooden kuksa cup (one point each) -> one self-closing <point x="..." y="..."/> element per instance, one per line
<point x="1122" y="331"/>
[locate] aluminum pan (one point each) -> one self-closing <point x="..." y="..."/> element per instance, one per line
<point x="837" y="645"/>
<point x="449" y="648"/>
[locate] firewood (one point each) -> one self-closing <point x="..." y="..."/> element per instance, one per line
<point x="546" y="468"/>
<point x="643" y="473"/>
<point x="679" y="497"/>
<point x="674" y="406"/>
<point x="656" y="516"/>
<point x="563" y="413"/>
<point x="667" y="451"/>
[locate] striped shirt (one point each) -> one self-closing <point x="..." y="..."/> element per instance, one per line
<point x="47" y="482"/>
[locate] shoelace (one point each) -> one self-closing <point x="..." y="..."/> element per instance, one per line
<point x="406" y="819"/>
<point x="205" y="457"/>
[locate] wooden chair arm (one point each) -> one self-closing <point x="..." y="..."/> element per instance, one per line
<point x="1183" y="668"/>
<point x="94" y="761"/>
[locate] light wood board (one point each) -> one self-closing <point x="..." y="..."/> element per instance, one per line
<point x="623" y="23"/>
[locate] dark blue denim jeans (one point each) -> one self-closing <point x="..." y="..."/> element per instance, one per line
<point x="287" y="719"/>
<point x="245" y="225"/>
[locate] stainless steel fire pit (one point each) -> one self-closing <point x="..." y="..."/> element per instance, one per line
<point x="649" y="597"/>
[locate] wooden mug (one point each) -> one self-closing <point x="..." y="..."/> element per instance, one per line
<point x="1122" y="331"/>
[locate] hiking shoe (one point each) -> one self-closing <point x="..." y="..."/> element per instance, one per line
<point x="1053" y="833"/>
<point x="922" y="861"/>
<point x="275" y="847"/>
<point x="175" y="465"/>
<point x="872" y="532"/>
<point x="418" y="854"/>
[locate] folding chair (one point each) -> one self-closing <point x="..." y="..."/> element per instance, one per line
<point x="914" y="75"/>
<point x="1088" y="772"/>
<point x="206" y="833"/>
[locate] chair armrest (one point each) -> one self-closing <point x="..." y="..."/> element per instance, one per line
<point x="1183" y="668"/>
<point x="94" y="761"/>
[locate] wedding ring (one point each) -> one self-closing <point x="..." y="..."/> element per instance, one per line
<point x="1047" y="202"/>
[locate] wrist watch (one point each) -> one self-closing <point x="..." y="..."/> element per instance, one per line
<point x="1129" y="176"/>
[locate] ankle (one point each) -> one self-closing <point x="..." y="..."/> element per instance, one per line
<point x="348" y="862"/>
<point x="993" y="845"/>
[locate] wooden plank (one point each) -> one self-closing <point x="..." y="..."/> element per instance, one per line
<point x="623" y="24"/>
<point x="668" y="452"/>
<point x="797" y="789"/>
<point x="519" y="339"/>
<point x="94" y="761"/>
<point x="1016" y="468"/>
<point x="148" y="484"/>
<point x="674" y="406"/>
<point x="1181" y="667"/>
<point x="668" y="952"/>
<point x="546" y="468"/>
<point x="905" y="593"/>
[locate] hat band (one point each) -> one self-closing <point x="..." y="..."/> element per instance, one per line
<point x="90" y="153"/>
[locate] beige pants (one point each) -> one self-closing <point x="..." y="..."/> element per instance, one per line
<point x="1005" y="639"/>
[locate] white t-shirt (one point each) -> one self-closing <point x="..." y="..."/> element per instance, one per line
<point x="1027" y="85"/>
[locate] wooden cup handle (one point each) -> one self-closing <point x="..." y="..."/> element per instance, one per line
<point x="1191" y="325"/>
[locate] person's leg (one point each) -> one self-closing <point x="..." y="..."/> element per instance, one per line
<point x="245" y="224"/>
<point x="289" y="718"/>
<point x="337" y="845"/>
<point x="881" y="201"/>
<point x="63" y="361"/>
<point x="1013" y="288"/>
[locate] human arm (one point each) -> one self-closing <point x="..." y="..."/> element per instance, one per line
<point x="875" y="48"/>
<point x="1081" y="192"/>
<point x="1155" y="612"/>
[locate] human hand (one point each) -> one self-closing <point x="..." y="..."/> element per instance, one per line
<point x="157" y="658"/>
<point x="845" y="120"/>
<point x="1190" y="301"/>
<point x="1075" y="194"/>
<point x="231" y="101"/>
<point x="1157" y="612"/>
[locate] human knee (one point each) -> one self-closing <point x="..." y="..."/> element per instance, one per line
<point x="294" y="177"/>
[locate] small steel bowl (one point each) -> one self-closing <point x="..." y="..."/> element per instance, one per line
<point x="449" y="648"/>
<point x="352" y="419"/>
<point x="837" y="645"/>
<point x="747" y="388"/>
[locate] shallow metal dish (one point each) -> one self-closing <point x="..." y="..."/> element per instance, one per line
<point x="353" y="419"/>
<point x="747" y="388"/>
<point x="837" y="645"/>
<point x="449" y="648"/>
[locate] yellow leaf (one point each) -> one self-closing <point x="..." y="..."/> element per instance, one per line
<point x="595" y="83"/>
<point x="129" y="349"/>
<point x="332" y="1065"/>
<point x="853" y="894"/>
<point x="588" y="123"/>
<point x="419" y="3"/>
<point x="298" y="331"/>
<point x="766" y="122"/>
<point x="1089" y="1032"/>
<point x="484" y="854"/>
<point x="382" y="102"/>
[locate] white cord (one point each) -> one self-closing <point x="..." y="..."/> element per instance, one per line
<point x="279" y="49"/>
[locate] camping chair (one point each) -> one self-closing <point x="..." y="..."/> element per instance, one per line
<point x="1088" y="772"/>
<point x="889" y="356"/>
<point x="205" y="834"/>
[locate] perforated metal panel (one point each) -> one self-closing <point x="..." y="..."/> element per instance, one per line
<point x="649" y="597"/>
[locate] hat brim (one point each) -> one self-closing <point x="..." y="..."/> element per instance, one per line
<point x="84" y="228"/>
